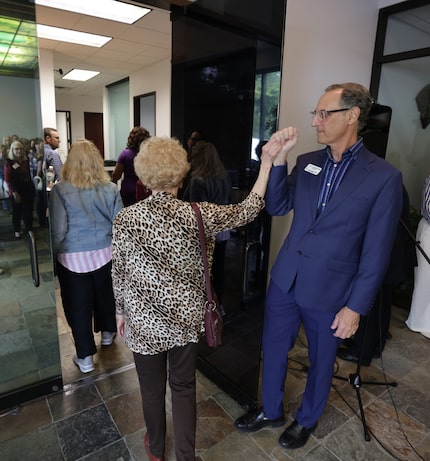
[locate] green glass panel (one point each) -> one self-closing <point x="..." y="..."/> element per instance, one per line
<point x="23" y="40"/>
<point x="6" y="37"/>
<point x="18" y="44"/>
<point x="28" y="28"/>
<point x="9" y="25"/>
<point x="22" y="51"/>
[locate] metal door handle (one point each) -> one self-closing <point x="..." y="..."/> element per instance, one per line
<point x="33" y="258"/>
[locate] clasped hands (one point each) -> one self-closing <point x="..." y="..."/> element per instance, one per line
<point x="280" y="144"/>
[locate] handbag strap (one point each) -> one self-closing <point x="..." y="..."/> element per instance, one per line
<point x="203" y="250"/>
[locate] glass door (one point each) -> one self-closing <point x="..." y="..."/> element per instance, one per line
<point x="29" y="350"/>
<point x="226" y="64"/>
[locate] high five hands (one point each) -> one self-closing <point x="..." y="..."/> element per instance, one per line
<point x="280" y="145"/>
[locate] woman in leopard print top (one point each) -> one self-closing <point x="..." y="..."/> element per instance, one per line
<point x="159" y="285"/>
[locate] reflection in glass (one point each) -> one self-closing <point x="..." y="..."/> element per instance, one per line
<point x="29" y="347"/>
<point x="214" y="76"/>
<point x="18" y="44"/>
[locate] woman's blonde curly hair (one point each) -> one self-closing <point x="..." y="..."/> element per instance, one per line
<point x="161" y="163"/>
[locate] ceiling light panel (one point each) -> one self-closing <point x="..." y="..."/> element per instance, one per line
<point x="71" y="36"/>
<point x="106" y="9"/>
<point x="80" y="75"/>
<point x="18" y="44"/>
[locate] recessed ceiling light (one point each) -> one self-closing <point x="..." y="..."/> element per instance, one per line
<point x="106" y="9"/>
<point x="80" y="75"/>
<point x="71" y="36"/>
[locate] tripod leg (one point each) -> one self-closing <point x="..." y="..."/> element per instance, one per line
<point x="355" y="381"/>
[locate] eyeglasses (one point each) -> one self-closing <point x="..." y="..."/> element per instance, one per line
<point x="322" y="114"/>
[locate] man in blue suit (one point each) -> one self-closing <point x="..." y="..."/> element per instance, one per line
<point x="346" y="203"/>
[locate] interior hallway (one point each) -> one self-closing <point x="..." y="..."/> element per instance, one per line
<point x="98" y="416"/>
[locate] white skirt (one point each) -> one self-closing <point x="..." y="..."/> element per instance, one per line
<point x="419" y="316"/>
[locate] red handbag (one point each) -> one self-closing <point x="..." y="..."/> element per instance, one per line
<point x="212" y="315"/>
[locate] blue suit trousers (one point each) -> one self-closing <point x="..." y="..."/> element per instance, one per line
<point x="282" y="320"/>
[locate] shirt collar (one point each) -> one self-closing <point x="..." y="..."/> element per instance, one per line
<point x="351" y="152"/>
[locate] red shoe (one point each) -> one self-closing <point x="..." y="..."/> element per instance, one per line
<point x="148" y="450"/>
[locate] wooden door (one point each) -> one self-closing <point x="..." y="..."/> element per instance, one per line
<point x="93" y="122"/>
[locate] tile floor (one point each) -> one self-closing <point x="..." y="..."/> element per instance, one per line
<point x="98" y="416"/>
<point x="29" y="349"/>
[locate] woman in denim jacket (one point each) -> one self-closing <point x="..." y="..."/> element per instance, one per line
<point x="82" y="208"/>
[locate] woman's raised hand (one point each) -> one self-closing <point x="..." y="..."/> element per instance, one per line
<point x="280" y="144"/>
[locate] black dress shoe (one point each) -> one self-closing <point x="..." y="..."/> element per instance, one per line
<point x="345" y="353"/>
<point x="295" y="435"/>
<point x="255" y="420"/>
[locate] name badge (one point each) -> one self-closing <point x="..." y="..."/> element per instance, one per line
<point x="313" y="169"/>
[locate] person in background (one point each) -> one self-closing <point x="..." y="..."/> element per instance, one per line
<point x="194" y="137"/>
<point x="82" y="208"/>
<point x="32" y="163"/>
<point x="33" y="156"/>
<point x="6" y="142"/>
<point x="419" y="315"/>
<point x="159" y="286"/>
<point x="4" y="193"/>
<point x="210" y="182"/>
<point x="21" y="188"/>
<point x="51" y="156"/>
<point x="347" y="204"/>
<point x="40" y="183"/>
<point x="125" y="165"/>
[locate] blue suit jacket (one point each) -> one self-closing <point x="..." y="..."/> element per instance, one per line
<point x="340" y="257"/>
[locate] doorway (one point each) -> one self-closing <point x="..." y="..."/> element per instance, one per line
<point x="64" y="128"/>
<point x="144" y="111"/>
<point x="93" y="126"/>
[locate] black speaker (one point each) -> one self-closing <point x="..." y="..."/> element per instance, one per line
<point x="375" y="133"/>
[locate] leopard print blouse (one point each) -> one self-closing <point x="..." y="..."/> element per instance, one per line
<point x="157" y="269"/>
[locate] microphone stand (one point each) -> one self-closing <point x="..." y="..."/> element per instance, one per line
<point x="416" y="242"/>
<point x="355" y="379"/>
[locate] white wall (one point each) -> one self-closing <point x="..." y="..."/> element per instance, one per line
<point x="77" y="105"/>
<point x="47" y="87"/>
<point x="155" y="78"/>
<point x="325" y="42"/>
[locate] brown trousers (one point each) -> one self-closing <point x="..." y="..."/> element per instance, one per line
<point x="152" y="373"/>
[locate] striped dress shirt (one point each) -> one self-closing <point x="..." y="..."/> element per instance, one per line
<point x="334" y="172"/>
<point x="85" y="261"/>
<point x="425" y="204"/>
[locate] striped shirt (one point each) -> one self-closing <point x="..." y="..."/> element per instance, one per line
<point x="425" y="204"/>
<point x="334" y="172"/>
<point x="85" y="261"/>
